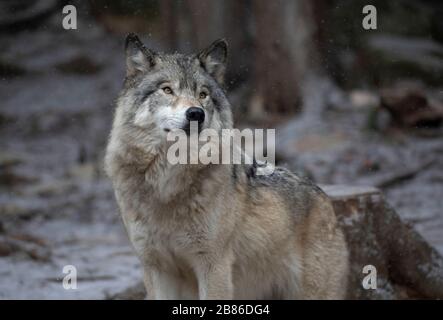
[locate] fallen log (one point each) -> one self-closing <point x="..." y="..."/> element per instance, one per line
<point x="407" y="267"/>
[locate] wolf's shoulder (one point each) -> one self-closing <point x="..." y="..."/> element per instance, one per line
<point x="282" y="178"/>
<point x="298" y="193"/>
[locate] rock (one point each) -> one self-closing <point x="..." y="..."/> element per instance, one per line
<point x="410" y="106"/>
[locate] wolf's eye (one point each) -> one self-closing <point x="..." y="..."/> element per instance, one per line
<point x="167" y="90"/>
<point x="203" y="95"/>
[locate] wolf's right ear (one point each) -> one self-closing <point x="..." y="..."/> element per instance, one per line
<point x="138" y="57"/>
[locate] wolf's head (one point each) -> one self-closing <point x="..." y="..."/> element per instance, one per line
<point x="165" y="92"/>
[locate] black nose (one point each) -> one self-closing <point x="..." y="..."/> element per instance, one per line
<point x="195" y="114"/>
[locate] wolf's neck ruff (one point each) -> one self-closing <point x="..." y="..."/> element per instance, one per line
<point x="166" y="181"/>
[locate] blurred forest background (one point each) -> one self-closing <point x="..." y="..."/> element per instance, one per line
<point x="351" y="106"/>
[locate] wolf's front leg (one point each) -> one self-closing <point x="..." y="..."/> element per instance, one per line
<point x="215" y="278"/>
<point x="161" y="285"/>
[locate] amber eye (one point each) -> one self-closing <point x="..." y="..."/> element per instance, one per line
<point x="167" y="90"/>
<point x="203" y="95"/>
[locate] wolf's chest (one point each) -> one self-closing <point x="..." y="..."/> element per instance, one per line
<point x="166" y="240"/>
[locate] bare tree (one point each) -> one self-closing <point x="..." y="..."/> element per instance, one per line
<point x="274" y="39"/>
<point x="285" y="53"/>
<point x="192" y="25"/>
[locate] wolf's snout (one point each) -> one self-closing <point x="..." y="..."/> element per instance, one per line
<point x="195" y="114"/>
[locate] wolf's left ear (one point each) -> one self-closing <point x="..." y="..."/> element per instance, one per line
<point x="213" y="59"/>
<point x="138" y="57"/>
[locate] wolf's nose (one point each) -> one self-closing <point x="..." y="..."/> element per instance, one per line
<point x="195" y="114"/>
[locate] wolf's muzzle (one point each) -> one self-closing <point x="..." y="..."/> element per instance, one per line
<point x="195" y="114"/>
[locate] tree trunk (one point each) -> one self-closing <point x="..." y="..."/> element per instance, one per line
<point x="194" y="24"/>
<point x="284" y="53"/>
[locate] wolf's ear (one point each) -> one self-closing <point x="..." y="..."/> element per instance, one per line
<point x="138" y="57"/>
<point x="213" y="59"/>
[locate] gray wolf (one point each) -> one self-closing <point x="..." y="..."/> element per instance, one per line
<point x="212" y="231"/>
